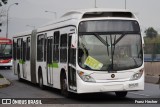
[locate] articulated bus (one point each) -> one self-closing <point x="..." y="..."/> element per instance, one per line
<point x="85" y="51"/>
<point x="5" y="52"/>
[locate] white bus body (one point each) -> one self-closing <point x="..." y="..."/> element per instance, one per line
<point x="81" y="53"/>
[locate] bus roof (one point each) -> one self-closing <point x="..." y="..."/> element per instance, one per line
<point x="93" y="13"/>
<point x="99" y="12"/>
<point x="23" y="33"/>
<point x="83" y="14"/>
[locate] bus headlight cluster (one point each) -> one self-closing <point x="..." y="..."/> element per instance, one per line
<point x="137" y="75"/>
<point x="85" y="77"/>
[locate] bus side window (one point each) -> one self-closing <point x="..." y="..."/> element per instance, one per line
<point x="24" y="51"/>
<point x="40" y="47"/>
<point x="49" y="50"/>
<point x="72" y="56"/>
<point x="28" y="48"/>
<point x="19" y="48"/>
<point x="63" y="48"/>
<point x="56" y="46"/>
<point x="45" y="46"/>
<point x="14" y="50"/>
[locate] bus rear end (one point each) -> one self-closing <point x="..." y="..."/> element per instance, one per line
<point x="5" y="53"/>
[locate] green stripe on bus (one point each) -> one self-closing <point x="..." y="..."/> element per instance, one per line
<point x="21" y="61"/>
<point x="53" y="65"/>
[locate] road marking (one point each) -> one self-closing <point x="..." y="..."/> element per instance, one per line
<point x="140" y="94"/>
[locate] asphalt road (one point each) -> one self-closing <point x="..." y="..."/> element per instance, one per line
<point x="26" y="89"/>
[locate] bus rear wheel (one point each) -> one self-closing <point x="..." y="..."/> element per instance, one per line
<point x="121" y="94"/>
<point x="40" y="81"/>
<point x="19" y="75"/>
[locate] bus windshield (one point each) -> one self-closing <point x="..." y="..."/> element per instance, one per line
<point x="110" y="50"/>
<point x="5" y="51"/>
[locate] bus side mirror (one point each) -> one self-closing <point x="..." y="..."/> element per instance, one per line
<point x="74" y="41"/>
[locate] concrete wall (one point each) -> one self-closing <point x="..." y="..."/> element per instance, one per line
<point x="152" y="72"/>
<point x="152" y="68"/>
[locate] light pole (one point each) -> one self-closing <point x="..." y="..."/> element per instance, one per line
<point x="8" y="16"/>
<point x="55" y="13"/>
<point x="125" y="4"/>
<point x="95" y="5"/>
<point x="31" y="26"/>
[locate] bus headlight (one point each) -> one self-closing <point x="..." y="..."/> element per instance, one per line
<point x="85" y="77"/>
<point x="137" y="75"/>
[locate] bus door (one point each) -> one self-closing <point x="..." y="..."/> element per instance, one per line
<point x="49" y="61"/>
<point x="19" y="56"/>
<point x="14" y="50"/>
<point x="24" y="59"/>
<point x="71" y="64"/>
<point x="27" y="62"/>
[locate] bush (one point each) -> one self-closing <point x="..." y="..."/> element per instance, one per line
<point x="1" y="76"/>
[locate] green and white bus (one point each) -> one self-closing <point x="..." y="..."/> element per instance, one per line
<point x="85" y="51"/>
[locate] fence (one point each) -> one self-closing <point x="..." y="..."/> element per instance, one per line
<point x="152" y="59"/>
<point x="152" y="52"/>
<point x="152" y="68"/>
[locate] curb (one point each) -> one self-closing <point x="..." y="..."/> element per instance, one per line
<point x="152" y="79"/>
<point x="4" y="82"/>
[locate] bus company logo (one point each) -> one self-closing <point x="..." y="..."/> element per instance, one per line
<point x="112" y="75"/>
<point x="6" y="101"/>
<point x="21" y="101"/>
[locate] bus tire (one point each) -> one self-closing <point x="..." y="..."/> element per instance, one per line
<point x="19" y="74"/>
<point x="64" y="90"/>
<point x="121" y="93"/>
<point x="8" y="67"/>
<point x="40" y="81"/>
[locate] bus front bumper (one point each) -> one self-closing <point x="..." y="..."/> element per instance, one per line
<point x="89" y="87"/>
<point x="6" y="64"/>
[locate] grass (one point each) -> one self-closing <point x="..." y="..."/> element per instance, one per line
<point x="1" y="76"/>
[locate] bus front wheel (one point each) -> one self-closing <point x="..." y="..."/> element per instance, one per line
<point x="121" y="94"/>
<point x="64" y="90"/>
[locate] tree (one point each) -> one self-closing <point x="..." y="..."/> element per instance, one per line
<point x="2" y="17"/>
<point x="5" y="1"/>
<point x="151" y="32"/>
<point x="0" y="25"/>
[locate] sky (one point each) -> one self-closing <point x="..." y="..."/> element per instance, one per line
<point x="32" y="12"/>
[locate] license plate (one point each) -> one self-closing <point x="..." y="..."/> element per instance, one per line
<point x="133" y="85"/>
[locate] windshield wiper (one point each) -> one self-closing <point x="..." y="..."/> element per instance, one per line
<point x="114" y="45"/>
<point x="107" y="46"/>
<point x="135" y="61"/>
<point x="104" y="42"/>
<point x="116" y="41"/>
